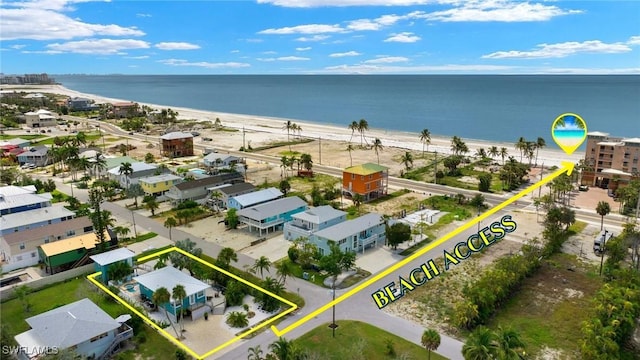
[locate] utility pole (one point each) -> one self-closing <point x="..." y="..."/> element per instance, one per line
<point x="319" y="150"/>
<point x="435" y="170"/>
<point x="604" y="247"/>
<point x="541" y="171"/>
<point x="243" y="145"/>
<point x="333" y="291"/>
<point x="135" y="231"/>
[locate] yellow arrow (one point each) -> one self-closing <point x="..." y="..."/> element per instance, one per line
<point x="566" y="167"/>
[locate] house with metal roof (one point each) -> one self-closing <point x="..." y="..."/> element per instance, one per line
<point x="369" y="180"/>
<point x="227" y="191"/>
<point x="305" y="223"/>
<point x="220" y="161"/>
<point x="37" y="155"/>
<point x="168" y="277"/>
<point x="271" y="215"/>
<point x="103" y="261"/>
<point x="176" y="144"/>
<point x="18" y="199"/>
<point x="71" y="252"/>
<point x="352" y="235"/>
<point x="32" y="219"/>
<point x="81" y="326"/>
<point x="158" y="184"/>
<point x="254" y="198"/>
<point x="140" y="170"/>
<point x="15" y="142"/>
<point x="20" y="249"/>
<point x="199" y="189"/>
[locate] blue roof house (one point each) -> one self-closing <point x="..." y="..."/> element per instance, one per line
<point x="305" y="223"/>
<point x="168" y="277"/>
<point x="271" y="215"/>
<point x="352" y="235"/>
<point x="253" y="198"/>
<point x="103" y="261"/>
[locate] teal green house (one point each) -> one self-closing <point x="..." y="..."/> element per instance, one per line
<point x="168" y="277"/>
<point x="102" y="262"/>
<point x="271" y="215"/>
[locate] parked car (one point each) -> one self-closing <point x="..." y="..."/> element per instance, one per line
<point x="207" y="139"/>
<point x="583" y="188"/>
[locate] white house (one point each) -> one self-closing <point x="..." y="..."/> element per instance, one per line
<point x="40" y="118"/>
<point x="140" y="169"/>
<point x="305" y="223"/>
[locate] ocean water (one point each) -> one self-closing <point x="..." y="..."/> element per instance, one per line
<point x="569" y="133"/>
<point x="488" y="107"/>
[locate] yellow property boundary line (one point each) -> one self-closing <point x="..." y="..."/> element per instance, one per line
<point x="566" y="167"/>
<point x="170" y="337"/>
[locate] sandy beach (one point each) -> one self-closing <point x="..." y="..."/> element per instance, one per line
<point x="264" y="129"/>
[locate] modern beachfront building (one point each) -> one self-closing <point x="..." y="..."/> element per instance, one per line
<point x="40" y="118"/>
<point x="80" y="326"/>
<point x="304" y="224"/>
<point x="159" y="184"/>
<point x="254" y="198"/>
<point x="610" y="161"/>
<point x="368" y="180"/>
<point x="271" y="215"/>
<point x="176" y="144"/>
<point x="352" y="235"/>
<point x="124" y="109"/>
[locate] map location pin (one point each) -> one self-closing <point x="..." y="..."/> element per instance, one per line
<point x="569" y="131"/>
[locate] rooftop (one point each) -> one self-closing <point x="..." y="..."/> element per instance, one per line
<point x="136" y="166"/>
<point x="11" y="190"/>
<point x="41" y="232"/>
<point x="236" y="188"/>
<point x="34" y="216"/>
<point x="168" y="277"/>
<point x="66" y="326"/>
<point x="176" y="135"/>
<point x="112" y="162"/>
<point x="211" y="157"/>
<point x="258" y="196"/>
<point x="597" y="133"/>
<point x="319" y="214"/>
<point x="159" y="178"/>
<point x="615" y="172"/>
<point x="342" y="230"/>
<point x="87" y="241"/>
<point x="272" y="208"/>
<point x="632" y="140"/>
<point x="41" y="150"/>
<point x="366" y="169"/>
<point x="112" y="256"/>
<point x="209" y="181"/>
<point x="10" y="202"/>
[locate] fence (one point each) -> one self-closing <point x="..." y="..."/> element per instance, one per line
<point x="48" y="280"/>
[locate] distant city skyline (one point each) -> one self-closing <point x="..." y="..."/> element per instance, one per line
<point x="320" y="37"/>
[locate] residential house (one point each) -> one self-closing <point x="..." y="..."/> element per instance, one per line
<point x="271" y="215"/>
<point x="176" y="144"/>
<point x="199" y="189"/>
<point x="610" y="161"/>
<point x="70" y="253"/>
<point x="35" y="218"/>
<point x="168" y="277"/>
<point x="15" y="142"/>
<point x="38" y="155"/>
<point x="228" y="191"/>
<point x="352" y="235"/>
<point x="305" y="223"/>
<point x="80" y="104"/>
<point x="158" y="184"/>
<point x="103" y="261"/>
<point x="15" y="199"/>
<point x="112" y="162"/>
<point x="216" y="162"/>
<point x="254" y="198"/>
<point x="369" y="180"/>
<point x="124" y="109"/>
<point x="140" y="170"/>
<point x="20" y="249"/>
<point x="40" y="118"/>
<point x="80" y="326"/>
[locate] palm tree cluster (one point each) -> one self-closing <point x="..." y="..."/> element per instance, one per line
<point x="361" y="127"/>
<point x="529" y="149"/>
<point x="484" y="344"/>
<point x="512" y="174"/>
<point x="281" y="349"/>
<point x="65" y="153"/>
<point x="560" y="187"/>
<point x="458" y="147"/>
<point x="287" y="164"/>
<point x="291" y="127"/>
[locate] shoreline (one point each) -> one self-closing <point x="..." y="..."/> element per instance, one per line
<point x="549" y="155"/>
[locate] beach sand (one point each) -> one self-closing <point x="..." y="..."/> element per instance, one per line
<point x="265" y="129"/>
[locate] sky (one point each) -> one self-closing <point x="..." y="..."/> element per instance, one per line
<point x="320" y="37"/>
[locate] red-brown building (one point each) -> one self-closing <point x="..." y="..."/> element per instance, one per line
<point x="177" y="144"/>
<point x="610" y="161"/>
<point x="369" y="180"/>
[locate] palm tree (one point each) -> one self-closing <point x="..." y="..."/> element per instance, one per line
<point x="282" y="349"/>
<point x="481" y="345"/>
<point x="363" y="126"/>
<point x="237" y="319"/>
<point x="261" y="264"/>
<point x="425" y="138"/>
<point x="152" y="205"/>
<point x="353" y="127"/>
<point x="160" y="298"/>
<point x="603" y="209"/>
<point x="171" y="222"/>
<point x="255" y="353"/>
<point x="350" y="148"/>
<point x="520" y="145"/>
<point x="430" y="340"/>
<point x="503" y="153"/>
<point x="225" y="256"/>
<point x="126" y="169"/>
<point x="377" y="147"/>
<point x="407" y="160"/>
<point x="99" y="164"/>
<point x="493" y="151"/>
<point x="284" y="164"/>
<point x="284" y="270"/>
<point x="178" y="294"/>
<point x="481" y="153"/>
<point x="289" y="126"/>
<point x="307" y="163"/>
<point x="508" y="344"/>
<point x="540" y="143"/>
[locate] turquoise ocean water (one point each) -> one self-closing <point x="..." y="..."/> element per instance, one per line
<point x="562" y="134"/>
<point x="499" y="108"/>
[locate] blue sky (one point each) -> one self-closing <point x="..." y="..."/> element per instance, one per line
<point x="320" y="37"/>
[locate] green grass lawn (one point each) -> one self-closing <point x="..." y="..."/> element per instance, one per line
<point x="149" y="344"/>
<point x="357" y="340"/>
<point x="26" y="137"/>
<point x="92" y="136"/>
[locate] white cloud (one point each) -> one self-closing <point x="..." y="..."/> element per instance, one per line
<point x="176" y="46"/>
<point x="348" y="53"/>
<point x="48" y="52"/>
<point x="394" y="69"/>
<point x="46" y="20"/>
<point x="204" y="64"/>
<point x="634" y="40"/>
<point x="254" y="40"/>
<point x="235" y="51"/>
<point x="142" y="15"/>
<point x="387" y="60"/>
<point x="561" y="50"/>
<point x="98" y="46"/>
<point x="588" y="71"/>
<point x="499" y="10"/>
<point x="325" y="3"/>
<point x="270" y="52"/>
<point x="17" y="46"/>
<point x="303" y="48"/>
<point x="284" y="58"/>
<point x="313" y="38"/>
<point x="404" y="37"/>
<point x="304" y="29"/>
<point x="137" y="57"/>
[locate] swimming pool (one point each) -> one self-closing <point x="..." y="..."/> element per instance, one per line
<point x="199" y="171"/>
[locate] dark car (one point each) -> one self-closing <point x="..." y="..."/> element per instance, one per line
<point x="583" y="188"/>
